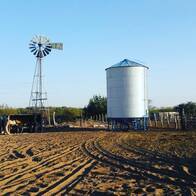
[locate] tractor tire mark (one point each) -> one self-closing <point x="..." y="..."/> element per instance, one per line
<point x="35" y="176"/>
<point x="66" y="183"/>
<point x="8" y="179"/>
<point x="146" y="170"/>
<point x="19" y="162"/>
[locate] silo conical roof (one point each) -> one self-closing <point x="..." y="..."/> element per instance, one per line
<point x="127" y="63"/>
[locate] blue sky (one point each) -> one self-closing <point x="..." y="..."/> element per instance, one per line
<point x="97" y="34"/>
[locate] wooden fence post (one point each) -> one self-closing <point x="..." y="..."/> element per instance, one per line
<point x="155" y="119"/>
<point x="176" y="122"/>
<point x="161" y="119"/>
<point x="167" y="120"/>
<point x="150" y="122"/>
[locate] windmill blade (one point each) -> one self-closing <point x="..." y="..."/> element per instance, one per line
<point x="31" y="47"/>
<point x="49" y="45"/>
<point x="33" y="50"/>
<point x="48" y="49"/>
<point x="32" y="44"/>
<point x="37" y="38"/>
<point x="58" y="46"/>
<point x="44" y="53"/>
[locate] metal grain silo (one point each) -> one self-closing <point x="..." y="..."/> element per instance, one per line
<point x="127" y="98"/>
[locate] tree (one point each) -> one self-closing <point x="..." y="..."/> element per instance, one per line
<point x="189" y="108"/>
<point x="162" y="109"/>
<point x="97" y="105"/>
<point x="5" y="110"/>
<point x="66" y="113"/>
<point x="153" y="109"/>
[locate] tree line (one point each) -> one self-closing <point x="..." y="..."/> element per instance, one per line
<point x="62" y="113"/>
<point x="97" y="105"/>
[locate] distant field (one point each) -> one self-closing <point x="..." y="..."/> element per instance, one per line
<point x="91" y="163"/>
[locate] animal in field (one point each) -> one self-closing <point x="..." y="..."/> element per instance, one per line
<point x="14" y="126"/>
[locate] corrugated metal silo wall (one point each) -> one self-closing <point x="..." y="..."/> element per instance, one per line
<point x="127" y="92"/>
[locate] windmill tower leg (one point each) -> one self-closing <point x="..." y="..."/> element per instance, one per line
<point x="36" y="98"/>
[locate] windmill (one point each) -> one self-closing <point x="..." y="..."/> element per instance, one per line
<point x="40" y="46"/>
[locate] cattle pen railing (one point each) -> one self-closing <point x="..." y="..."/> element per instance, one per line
<point x="172" y="120"/>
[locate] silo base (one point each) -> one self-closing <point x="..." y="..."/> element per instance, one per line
<point x="116" y="124"/>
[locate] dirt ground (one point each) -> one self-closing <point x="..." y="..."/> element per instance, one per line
<point x="98" y="163"/>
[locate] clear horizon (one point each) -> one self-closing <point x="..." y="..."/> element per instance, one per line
<point x="96" y="35"/>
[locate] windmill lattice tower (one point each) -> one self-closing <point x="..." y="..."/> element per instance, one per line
<point x="40" y="46"/>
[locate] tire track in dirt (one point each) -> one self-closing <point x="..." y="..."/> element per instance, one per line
<point x="183" y="181"/>
<point x="11" y="153"/>
<point x="171" y="162"/>
<point x="65" y="184"/>
<point x="5" y="153"/>
<point x="97" y="166"/>
<point x="139" y="170"/>
<point x="100" y="156"/>
<point x="8" y="179"/>
<point x="21" y="161"/>
<point x="53" y="165"/>
<point x="12" y="187"/>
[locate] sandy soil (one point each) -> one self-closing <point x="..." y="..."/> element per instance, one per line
<point x="98" y="163"/>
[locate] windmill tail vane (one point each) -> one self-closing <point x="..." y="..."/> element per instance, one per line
<point x="58" y="46"/>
